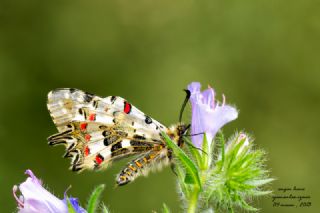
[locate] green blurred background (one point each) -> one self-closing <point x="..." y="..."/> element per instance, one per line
<point x="263" y="55"/>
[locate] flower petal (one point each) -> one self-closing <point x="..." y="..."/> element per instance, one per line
<point x="35" y="206"/>
<point x="194" y="87"/>
<point x="197" y="126"/>
<point x="33" y="177"/>
<point x="35" y="193"/>
<point x="208" y="98"/>
<point x="219" y="117"/>
<point x="207" y="116"/>
<point x="38" y="199"/>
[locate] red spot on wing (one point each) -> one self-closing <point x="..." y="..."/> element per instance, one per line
<point x="99" y="159"/>
<point x="87" y="137"/>
<point x="92" y="117"/>
<point x="86" y="151"/>
<point x="83" y="126"/>
<point x="127" y="107"/>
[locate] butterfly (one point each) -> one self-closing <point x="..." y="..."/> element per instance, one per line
<point x="97" y="131"/>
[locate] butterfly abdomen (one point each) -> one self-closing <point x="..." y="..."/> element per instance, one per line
<point x="143" y="165"/>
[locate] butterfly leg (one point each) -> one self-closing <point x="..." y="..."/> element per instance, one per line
<point x="172" y="165"/>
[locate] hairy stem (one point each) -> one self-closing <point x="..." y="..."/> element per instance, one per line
<point x="193" y="200"/>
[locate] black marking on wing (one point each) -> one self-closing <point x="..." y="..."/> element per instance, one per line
<point x="106" y="133"/>
<point x="139" y="146"/>
<point x="113" y="99"/>
<point x="72" y="90"/>
<point x="55" y="136"/>
<point x="110" y="140"/>
<point x="76" y="167"/>
<point x="120" y="152"/>
<point x="148" y="120"/>
<point x="88" y="97"/>
<point x="140" y="137"/>
<point x="102" y="127"/>
<point x="60" y="138"/>
<point x="121" y="133"/>
<point x="95" y="104"/>
<point x="76" y="159"/>
<point x="71" y="147"/>
<point x="116" y="146"/>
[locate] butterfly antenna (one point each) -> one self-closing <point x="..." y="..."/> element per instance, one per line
<point x="187" y="128"/>
<point x="201" y="133"/>
<point x="184" y="103"/>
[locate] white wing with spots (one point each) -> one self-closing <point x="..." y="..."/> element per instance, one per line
<point x="99" y="130"/>
<point x="67" y="105"/>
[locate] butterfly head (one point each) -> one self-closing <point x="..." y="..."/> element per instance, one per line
<point x="177" y="132"/>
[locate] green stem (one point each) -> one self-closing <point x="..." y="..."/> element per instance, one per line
<point x="193" y="201"/>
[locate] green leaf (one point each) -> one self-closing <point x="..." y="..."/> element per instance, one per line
<point x="187" y="163"/>
<point x="165" y="209"/>
<point x="93" y="202"/>
<point x="222" y="141"/>
<point x="70" y="207"/>
<point x="259" y="182"/>
<point x="208" y="211"/>
<point x="188" y="179"/>
<point x="259" y="193"/>
<point x="205" y="148"/>
<point x="235" y="146"/>
<point x="184" y="187"/>
<point x="193" y="151"/>
<point x="246" y="206"/>
<point x="105" y="209"/>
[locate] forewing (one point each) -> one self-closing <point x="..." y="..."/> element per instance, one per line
<point x="66" y="105"/>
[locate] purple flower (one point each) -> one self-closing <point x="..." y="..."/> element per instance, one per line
<point x="35" y="198"/>
<point x="75" y="204"/>
<point x="207" y="115"/>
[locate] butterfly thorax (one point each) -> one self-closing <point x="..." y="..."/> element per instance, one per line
<point x="176" y="133"/>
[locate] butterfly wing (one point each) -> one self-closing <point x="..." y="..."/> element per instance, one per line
<point x="98" y="130"/>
